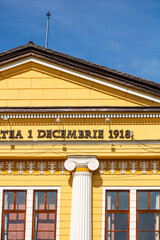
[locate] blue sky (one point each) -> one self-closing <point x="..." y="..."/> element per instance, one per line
<point x="120" y="34"/>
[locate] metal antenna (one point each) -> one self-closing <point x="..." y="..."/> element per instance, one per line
<point x="48" y="15"/>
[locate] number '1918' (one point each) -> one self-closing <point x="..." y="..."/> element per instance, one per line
<point x="120" y="134"/>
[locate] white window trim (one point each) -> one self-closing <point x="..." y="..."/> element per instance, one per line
<point x="132" y="231"/>
<point x="33" y="189"/>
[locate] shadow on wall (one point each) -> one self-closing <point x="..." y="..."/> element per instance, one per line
<point x="97" y="181"/>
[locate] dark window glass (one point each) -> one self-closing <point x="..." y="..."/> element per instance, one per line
<point x="154" y="200"/>
<point x="20" y="200"/>
<point x="111" y="200"/>
<point x="51" y="200"/>
<point x="117" y="236"/>
<point x="142" y="200"/>
<point x="117" y="221"/>
<point x="117" y="215"/>
<point x="45" y="210"/>
<point x="148" y="221"/>
<point x="148" y="235"/>
<point x="148" y="215"/>
<point x="13" y="217"/>
<point x="44" y="235"/>
<point x="39" y="200"/>
<point x="9" y="200"/>
<point x="45" y="221"/>
<point x="123" y="200"/>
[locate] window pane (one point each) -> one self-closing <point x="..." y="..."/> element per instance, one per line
<point x="117" y="236"/>
<point x="148" y="221"/>
<point x="45" y="221"/>
<point x="44" y="236"/>
<point x="13" y="236"/>
<point x="51" y="200"/>
<point x="142" y="200"/>
<point x="20" y="200"/>
<point x="117" y="221"/>
<point x="9" y="200"/>
<point x="14" y="221"/>
<point x="154" y="200"/>
<point x="39" y="200"/>
<point x="111" y="200"/>
<point x="148" y="235"/>
<point x="123" y="200"/>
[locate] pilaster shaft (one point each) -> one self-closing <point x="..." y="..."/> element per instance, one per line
<point x="81" y="215"/>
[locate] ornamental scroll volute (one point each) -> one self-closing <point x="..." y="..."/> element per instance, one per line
<point x="74" y="162"/>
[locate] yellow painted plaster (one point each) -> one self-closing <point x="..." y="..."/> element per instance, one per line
<point x="31" y="82"/>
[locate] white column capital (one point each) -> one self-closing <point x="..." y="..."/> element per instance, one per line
<point x="81" y="161"/>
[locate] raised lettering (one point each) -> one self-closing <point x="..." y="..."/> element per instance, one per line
<point x="71" y="134"/>
<point x="49" y="134"/>
<point x="81" y="134"/>
<point x="4" y="133"/>
<point x="30" y="134"/>
<point x="94" y="133"/>
<point x="88" y="134"/>
<point x="18" y="135"/>
<point x="41" y="134"/>
<point x="11" y="134"/>
<point x="63" y="134"/>
<point x="54" y="133"/>
<point x="101" y="134"/>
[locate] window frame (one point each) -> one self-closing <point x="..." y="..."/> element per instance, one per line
<point x="117" y="211"/>
<point x="13" y="210"/>
<point x="146" y="210"/>
<point x="44" y="210"/>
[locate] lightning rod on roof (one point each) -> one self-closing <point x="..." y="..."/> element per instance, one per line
<point x="47" y="31"/>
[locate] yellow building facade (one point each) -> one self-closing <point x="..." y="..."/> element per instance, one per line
<point x="79" y="150"/>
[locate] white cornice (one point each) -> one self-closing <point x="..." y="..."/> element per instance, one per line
<point x="81" y="75"/>
<point x="5" y="117"/>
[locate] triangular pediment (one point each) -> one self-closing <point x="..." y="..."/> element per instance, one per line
<point x="33" y="80"/>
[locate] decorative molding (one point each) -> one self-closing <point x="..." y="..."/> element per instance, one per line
<point x="144" y="165"/>
<point x="102" y="166"/>
<point x="81" y="161"/>
<point x="20" y="166"/>
<point x="52" y="167"/>
<point x="117" y="167"/>
<point x="123" y="165"/>
<point x="129" y="167"/>
<point x="154" y="166"/>
<point x="62" y="168"/>
<point x="82" y="174"/>
<point x="112" y="165"/>
<point x="41" y="166"/>
<point x="133" y="166"/>
<point x="32" y="168"/>
<point x="5" y="117"/>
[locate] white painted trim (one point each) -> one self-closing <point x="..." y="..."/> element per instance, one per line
<point x="1" y="203"/>
<point x="29" y="215"/>
<point x="33" y="189"/>
<point x="73" y="116"/>
<point x="103" y="212"/>
<point x="81" y="75"/>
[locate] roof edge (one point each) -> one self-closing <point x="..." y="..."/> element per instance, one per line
<point x="70" y="109"/>
<point x="83" y="66"/>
